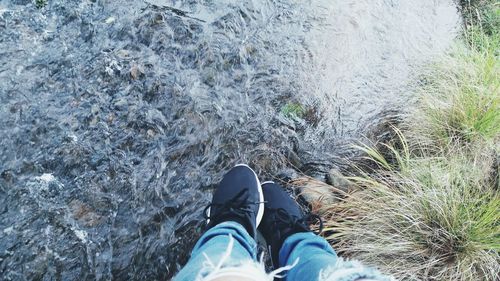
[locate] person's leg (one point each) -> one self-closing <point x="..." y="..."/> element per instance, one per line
<point x="293" y="244"/>
<point x="215" y="248"/>
<point x="316" y="260"/>
<point x="311" y="252"/>
<point x="233" y="216"/>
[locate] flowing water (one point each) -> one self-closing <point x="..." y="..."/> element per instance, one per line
<point x="117" y="118"/>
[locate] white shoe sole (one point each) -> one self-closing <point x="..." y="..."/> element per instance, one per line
<point x="266" y="182"/>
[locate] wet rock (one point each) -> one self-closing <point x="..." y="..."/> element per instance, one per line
<point x="46" y="186"/>
<point x="293" y="158"/>
<point x="84" y="213"/>
<point x="15" y="107"/>
<point x="7" y="176"/>
<point x="86" y="31"/>
<point x="287" y="174"/>
<point x="336" y="179"/>
<point x="121" y="103"/>
<point x="315" y="191"/>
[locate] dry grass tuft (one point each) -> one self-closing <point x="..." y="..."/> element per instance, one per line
<point x="430" y="209"/>
<point x="423" y="219"/>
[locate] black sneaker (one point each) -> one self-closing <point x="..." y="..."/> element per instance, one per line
<point x="282" y="218"/>
<point x="238" y="198"/>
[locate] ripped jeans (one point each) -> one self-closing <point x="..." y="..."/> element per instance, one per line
<point x="227" y="250"/>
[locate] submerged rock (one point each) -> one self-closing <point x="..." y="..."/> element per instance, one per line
<point x="316" y="192"/>
<point x="339" y="181"/>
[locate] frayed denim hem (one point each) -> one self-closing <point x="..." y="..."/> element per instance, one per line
<point x="253" y="270"/>
<point x="344" y="270"/>
<point x="249" y="269"/>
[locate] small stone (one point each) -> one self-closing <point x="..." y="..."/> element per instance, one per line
<point x="110" y="20"/>
<point x="111" y="117"/>
<point x="136" y="71"/>
<point x="150" y="133"/>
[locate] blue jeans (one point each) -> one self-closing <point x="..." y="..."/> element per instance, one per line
<point x="313" y="254"/>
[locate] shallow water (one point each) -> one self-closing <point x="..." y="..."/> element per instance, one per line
<point x="117" y="118"/>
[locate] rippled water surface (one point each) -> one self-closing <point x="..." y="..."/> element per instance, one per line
<point x="117" y="118"/>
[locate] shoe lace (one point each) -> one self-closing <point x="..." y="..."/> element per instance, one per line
<point x="297" y="224"/>
<point x="238" y="206"/>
